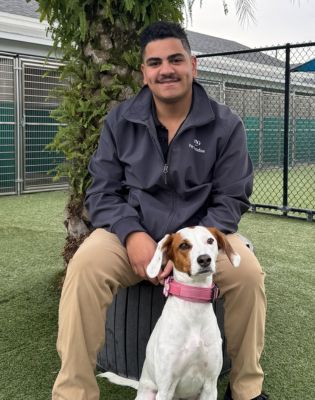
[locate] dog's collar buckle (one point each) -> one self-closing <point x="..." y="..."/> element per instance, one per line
<point x="166" y="288"/>
<point x="190" y="293"/>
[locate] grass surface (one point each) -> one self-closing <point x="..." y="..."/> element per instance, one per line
<point x="31" y="240"/>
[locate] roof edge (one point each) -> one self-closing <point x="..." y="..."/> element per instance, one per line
<point x="29" y="29"/>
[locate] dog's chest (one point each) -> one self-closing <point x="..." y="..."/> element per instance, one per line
<point x="188" y="333"/>
<point x="199" y="347"/>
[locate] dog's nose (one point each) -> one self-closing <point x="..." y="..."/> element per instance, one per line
<point x="204" y="260"/>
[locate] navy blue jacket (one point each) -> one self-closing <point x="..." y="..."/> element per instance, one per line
<point x="206" y="179"/>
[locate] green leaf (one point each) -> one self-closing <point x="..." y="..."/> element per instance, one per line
<point x="105" y="67"/>
<point x="129" y="4"/>
<point x="83" y="25"/>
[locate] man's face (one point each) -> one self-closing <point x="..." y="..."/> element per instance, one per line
<point x="168" y="69"/>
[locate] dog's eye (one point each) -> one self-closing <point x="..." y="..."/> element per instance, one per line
<point x="184" y="246"/>
<point x="210" y="240"/>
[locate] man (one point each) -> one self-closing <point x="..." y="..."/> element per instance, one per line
<point x="167" y="158"/>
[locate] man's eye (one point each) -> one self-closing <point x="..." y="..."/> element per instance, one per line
<point x="153" y="63"/>
<point x="176" y="60"/>
<point x="210" y="240"/>
<point x="184" y="246"/>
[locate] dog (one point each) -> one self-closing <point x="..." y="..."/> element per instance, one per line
<point x="184" y="352"/>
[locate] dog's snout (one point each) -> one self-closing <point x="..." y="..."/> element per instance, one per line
<point x="204" y="260"/>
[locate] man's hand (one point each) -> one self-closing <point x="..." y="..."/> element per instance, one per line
<point x="140" y="249"/>
<point x="166" y="272"/>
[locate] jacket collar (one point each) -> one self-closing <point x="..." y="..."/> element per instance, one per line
<point x="201" y="113"/>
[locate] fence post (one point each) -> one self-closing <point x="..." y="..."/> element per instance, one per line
<point x="286" y="130"/>
<point x="18" y="133"/>
<point x="261" y="129"/>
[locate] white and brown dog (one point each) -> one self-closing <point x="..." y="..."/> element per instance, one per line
<point x="184" y="352"/>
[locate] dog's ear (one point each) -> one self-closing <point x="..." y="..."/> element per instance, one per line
<point x="156" y="263"/>
<point x="225" y="246"/>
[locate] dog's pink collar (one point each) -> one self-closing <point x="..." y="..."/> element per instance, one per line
<point x="190" y="293"/>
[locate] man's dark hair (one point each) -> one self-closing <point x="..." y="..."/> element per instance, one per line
<point x="163" y="30"/>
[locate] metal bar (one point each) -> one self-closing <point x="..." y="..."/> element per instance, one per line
<point x="258" y="50"/>
<point x="268" y="206"/>
<point x="18" y="152"/>
<point x="261" y="129"/>
<point x="286" y="129"/>
<point x="280" y="208"/>
<point x="23" y="125"/>
<point x="293" y="130"/>
<point x="222" y="96"/>
<point x="309" y="217"/>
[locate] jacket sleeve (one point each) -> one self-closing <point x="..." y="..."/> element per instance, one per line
<point x="232" y="183"/>
<point x="105" y="198"/>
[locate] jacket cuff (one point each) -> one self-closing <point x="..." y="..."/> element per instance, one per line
<point x="126" y="226"/>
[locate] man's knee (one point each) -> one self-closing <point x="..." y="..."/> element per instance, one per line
<point x="101" y="257"/>
<point x="250" y="270"/>
<point x="248" y="276"/>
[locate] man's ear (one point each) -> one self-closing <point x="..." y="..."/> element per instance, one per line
<point x="156" y="263"/>
<point x="194" y="66"/>
<point x="143" y="74"/>
<point x="225" y="246"/>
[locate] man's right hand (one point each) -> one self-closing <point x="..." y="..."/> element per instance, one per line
<point x="140" y="249"/>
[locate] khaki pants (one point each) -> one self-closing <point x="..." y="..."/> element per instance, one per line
<point x="100" y="267"/>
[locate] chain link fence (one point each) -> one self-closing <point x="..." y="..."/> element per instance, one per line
<point x="273" y="91"/>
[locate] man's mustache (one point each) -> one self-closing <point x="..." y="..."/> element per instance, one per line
<point x="168" y="78"/>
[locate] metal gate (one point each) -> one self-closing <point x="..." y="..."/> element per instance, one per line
<point x="7" y="127"/>
<point x="38" y="127"/>
<point x="26" y="127"/>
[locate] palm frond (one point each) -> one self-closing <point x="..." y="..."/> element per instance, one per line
<point x="225" y="7"/>
<point x="245" y="11"/>
<point x="188" y="4"/>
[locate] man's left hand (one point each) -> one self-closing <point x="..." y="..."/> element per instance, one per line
<point x="166" y="272"/>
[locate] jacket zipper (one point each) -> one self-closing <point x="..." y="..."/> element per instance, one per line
<point x="165" y="172"/>
<point x="158" y="147"/>
<point x="166" y="165"/>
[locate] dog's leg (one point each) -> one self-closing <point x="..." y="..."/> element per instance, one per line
<point x="166" y="393"/>
<point x="146" y="391"/>
<point x="165" y="396"/>
<point x="146" y="395"/>
<point x="209" y="391"/>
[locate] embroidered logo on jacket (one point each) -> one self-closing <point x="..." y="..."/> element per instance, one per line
<point x="196" y="146"/>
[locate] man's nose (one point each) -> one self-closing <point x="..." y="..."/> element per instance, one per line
<point x="166" y="68"/>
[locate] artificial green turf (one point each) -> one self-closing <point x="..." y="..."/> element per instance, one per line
<point x="31" y="240"/>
